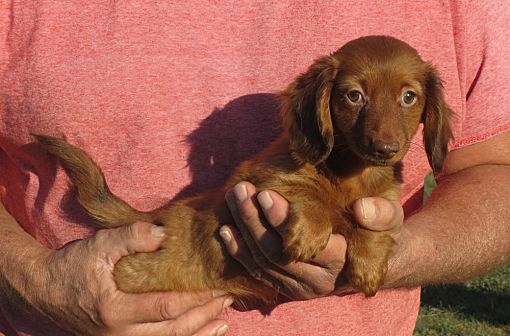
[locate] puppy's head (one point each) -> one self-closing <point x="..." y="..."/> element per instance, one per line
<point x="368" y="98"/>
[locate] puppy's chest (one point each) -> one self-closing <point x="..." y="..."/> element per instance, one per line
<point x="344" y="193"/>
<point x="367" y="184"/>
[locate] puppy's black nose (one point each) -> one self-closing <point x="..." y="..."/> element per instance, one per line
<point x="384" y="150"/>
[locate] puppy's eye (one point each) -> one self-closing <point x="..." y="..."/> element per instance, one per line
<point x="408" y="98"/>
<point x="354" y="96"/>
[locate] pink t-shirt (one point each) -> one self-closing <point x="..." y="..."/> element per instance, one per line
<point x="169" y="96"/>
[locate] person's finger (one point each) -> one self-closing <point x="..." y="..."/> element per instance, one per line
<point x="263" y="244"/>
<point x="268" y="273"/>
<point x="242" y="205"/>
<point x="378" y="214"/>
<point x="249" y="241"/>
<point x="126" y="240"/>
<point x="333" y="255"/>
<point x="155" y="307"/>
<point x="238" y="249"/>
<point x="274" y="206"/>
<point x="199" y="320"/>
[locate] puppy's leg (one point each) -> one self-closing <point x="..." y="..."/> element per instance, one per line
<point x="161" y="270"/>
<point x="367" y="259"/>
<point x="142" y="272"/>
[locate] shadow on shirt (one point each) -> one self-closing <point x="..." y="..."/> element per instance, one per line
<point x="228" y="136"/>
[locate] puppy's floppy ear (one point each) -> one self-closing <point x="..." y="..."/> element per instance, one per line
<point x="306" y="112"/>
<point x="437" y="131"/>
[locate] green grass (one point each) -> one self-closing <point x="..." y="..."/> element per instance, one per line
<point x="476" y="308"/>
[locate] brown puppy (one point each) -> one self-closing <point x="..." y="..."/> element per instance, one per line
<point x="349" y="121"/>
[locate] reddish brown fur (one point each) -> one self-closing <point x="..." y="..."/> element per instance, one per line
<point x="321" y="165"/>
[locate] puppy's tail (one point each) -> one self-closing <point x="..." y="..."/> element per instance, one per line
<point x="92" y="191"/>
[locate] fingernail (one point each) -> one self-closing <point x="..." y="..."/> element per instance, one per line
<point x="228" y="302"/>
<point x="241" y="192"/>
<point x="368" y="208"/>
<point x="222" y="330"/>
<point x="158" y="232"/>
<point x="265" y="200"/>
<point x="217" y="293"/>
<point x="226" y="235"/>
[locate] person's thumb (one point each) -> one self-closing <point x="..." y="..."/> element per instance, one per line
<point x="378" y="214"/>
<point x="130" y="239"/>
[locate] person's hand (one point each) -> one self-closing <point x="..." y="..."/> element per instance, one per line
<point x="76" y="289"/>
<point x="260" y="249"/>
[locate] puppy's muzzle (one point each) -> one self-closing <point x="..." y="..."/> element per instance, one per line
<point x="383" y="150"/>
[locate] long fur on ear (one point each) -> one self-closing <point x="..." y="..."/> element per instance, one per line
<point x="306" y="113"/>
<point x="437" y="131"/>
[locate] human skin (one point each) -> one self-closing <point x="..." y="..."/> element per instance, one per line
<point x="461" y="233"/>
<point x="74" y="285"/>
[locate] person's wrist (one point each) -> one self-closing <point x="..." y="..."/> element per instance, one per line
<point x="47" y="280"/>
<point x="41" y="290"/>
<point x="26" y="273"/>
<point x="405" y="260"/>
<point x="25" y="294"/>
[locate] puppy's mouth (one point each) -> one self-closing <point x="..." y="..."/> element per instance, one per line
<point x="377" y="159"/>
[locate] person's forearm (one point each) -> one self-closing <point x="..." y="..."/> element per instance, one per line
<point x="18" y="253"/>
<point x="462" y="232"/>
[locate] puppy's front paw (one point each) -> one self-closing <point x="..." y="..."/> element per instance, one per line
<point x="303" y="238"/>
<point x="367" y="259"/>
<point x="366" y="275"/>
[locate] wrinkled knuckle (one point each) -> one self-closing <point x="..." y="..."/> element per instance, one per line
<point x="134" y="231"/>
<point x="165" y="309"/>
<point x="322" y="290"/>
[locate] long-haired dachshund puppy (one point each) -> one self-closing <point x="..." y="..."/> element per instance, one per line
<point x="349" y="121"/>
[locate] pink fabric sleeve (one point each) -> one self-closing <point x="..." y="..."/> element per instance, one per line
<point x="482" y="32"/>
